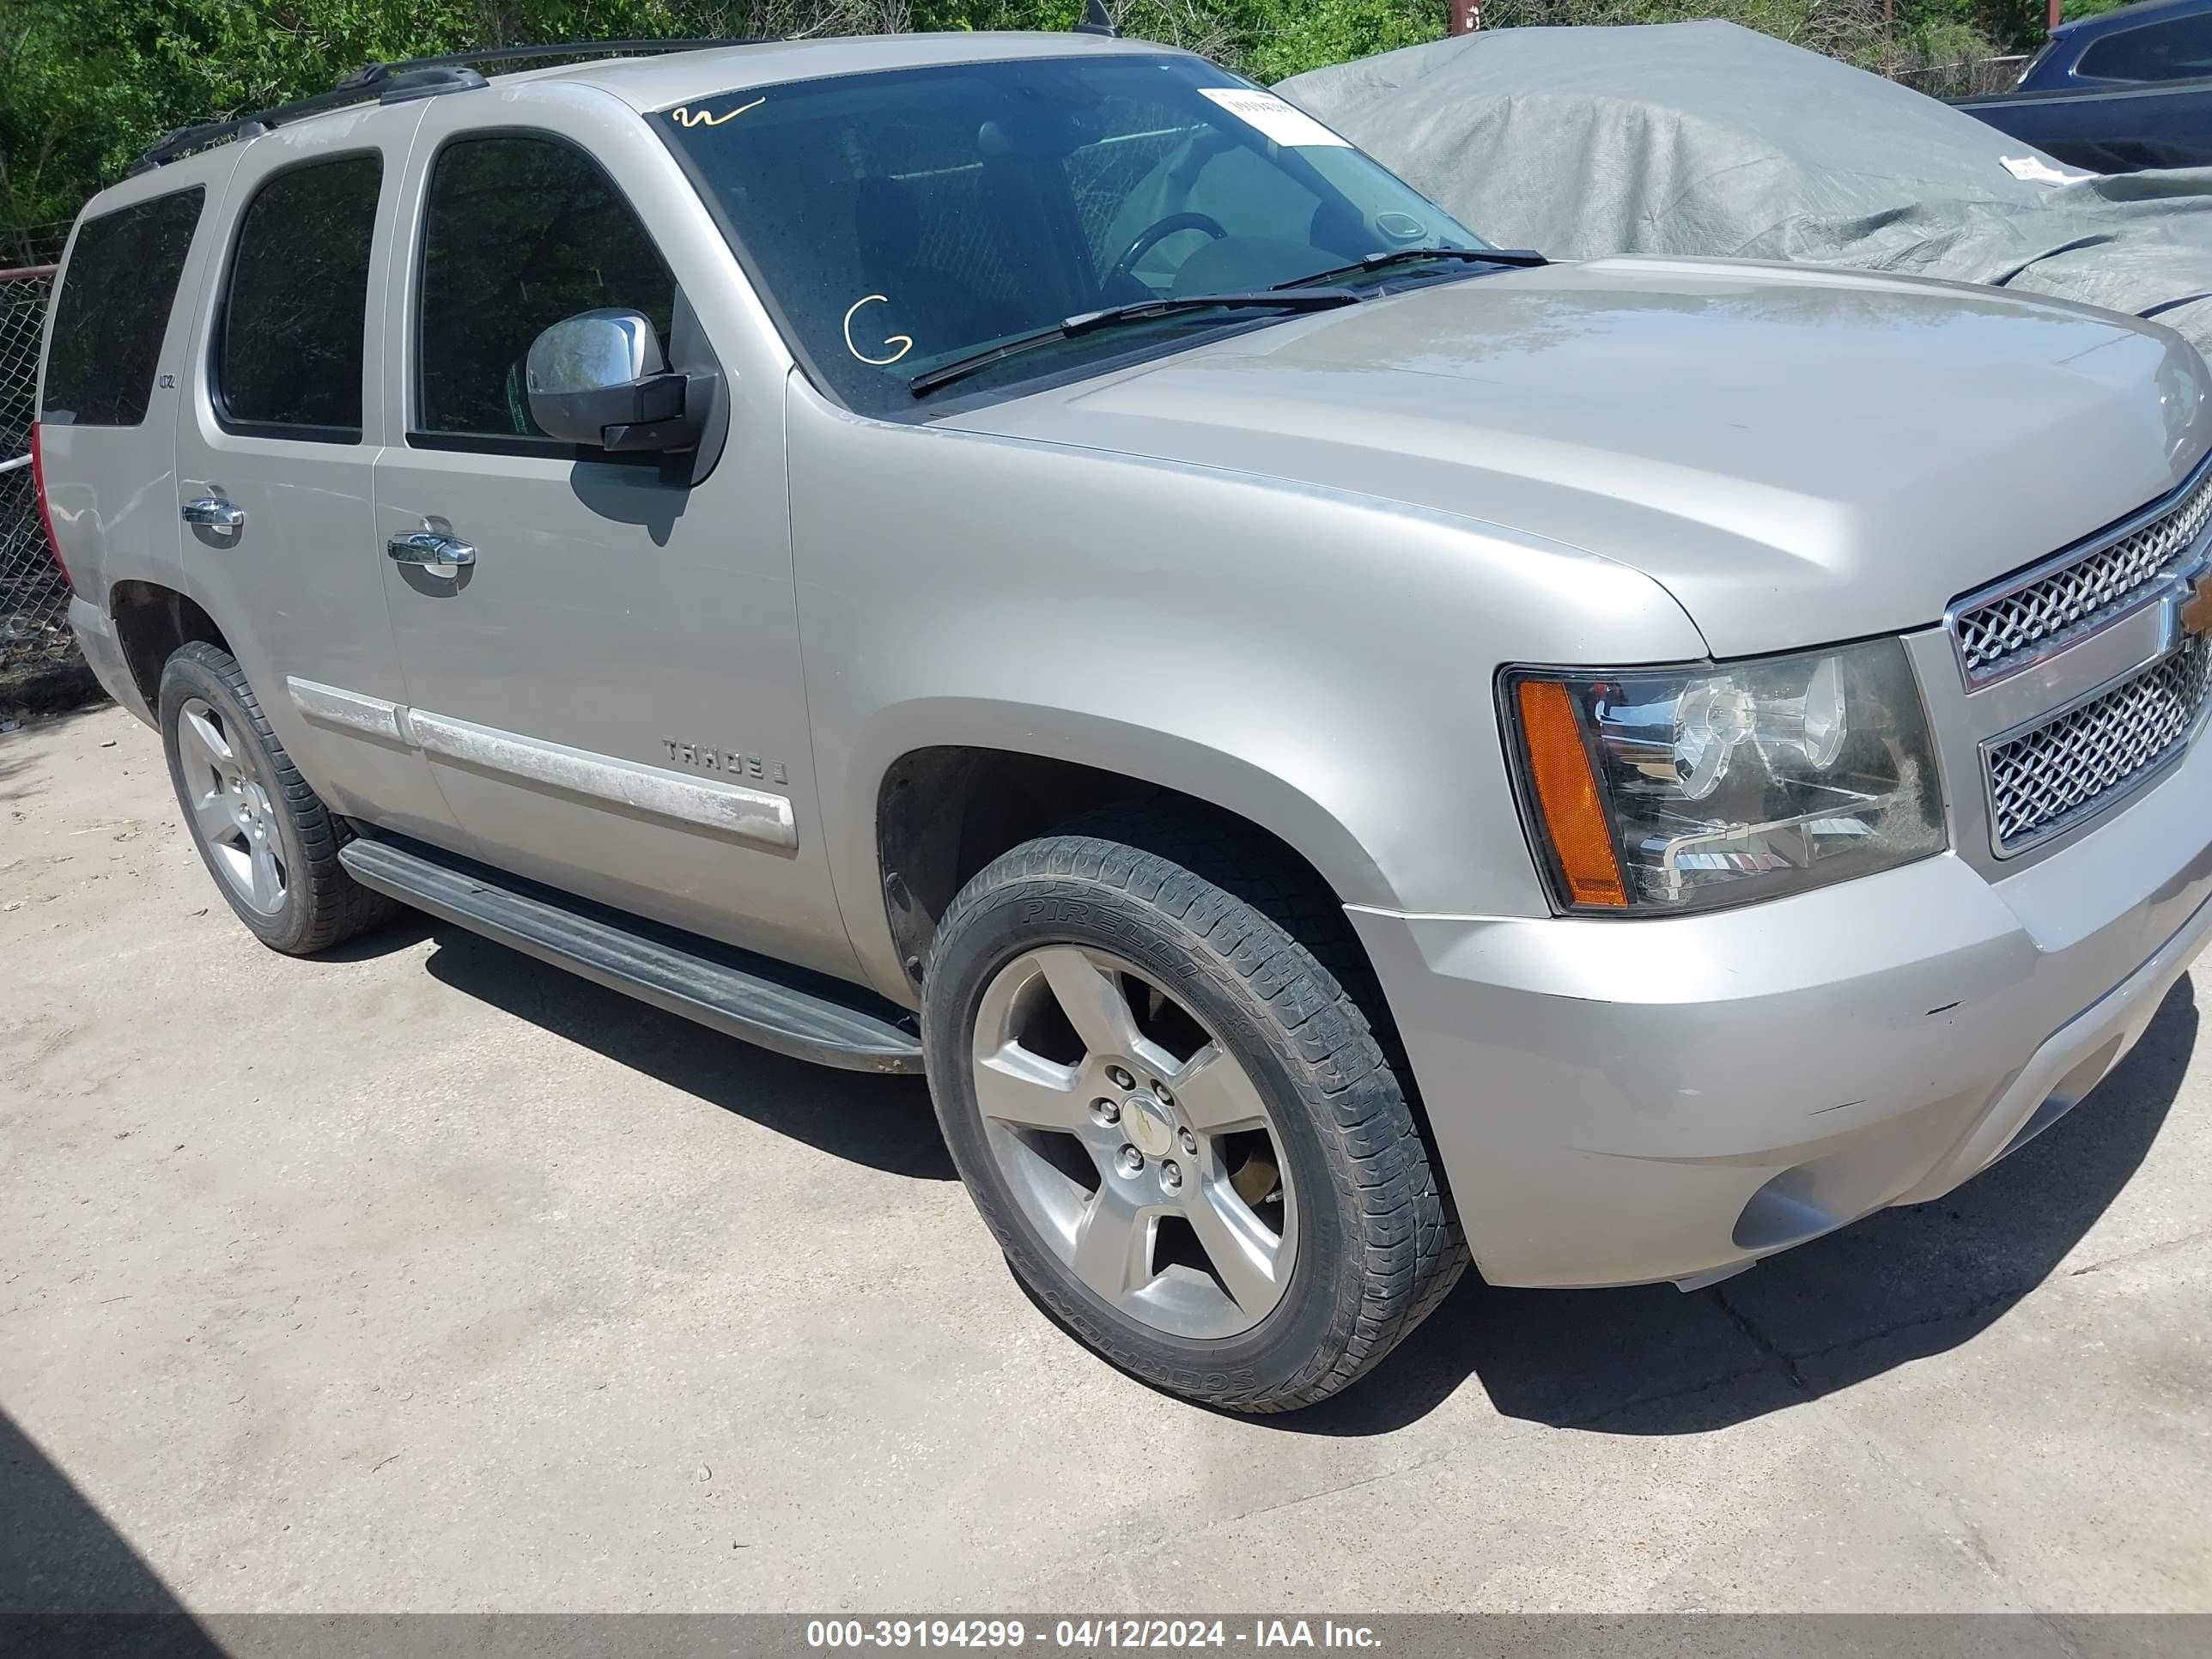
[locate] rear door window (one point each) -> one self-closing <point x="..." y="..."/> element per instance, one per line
<point x="289" y="360"/>
<point x="521" y="231"/>
<point x="2177" y="50"/>
<point x="113" y="310"/>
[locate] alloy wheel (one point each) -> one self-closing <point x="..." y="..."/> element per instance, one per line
<point x="236" y="819"/>
<point x="1137" y="1146"/>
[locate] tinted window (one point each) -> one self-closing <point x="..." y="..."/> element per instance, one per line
<point x="521" y="232"/>
<point x="2178" y="51"/>
<point x="901" y="220"/>
<point x="292" y="320"/>
<point x="113" y="309"/>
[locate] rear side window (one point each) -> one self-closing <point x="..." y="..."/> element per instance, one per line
<point x="289" y="363"/>
<point x="113" y="309"/>
<point x="2179" y="51"/>
<point x="520" y="232"/>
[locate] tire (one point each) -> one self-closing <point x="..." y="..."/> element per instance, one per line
<point x="249" y="811"/>
<point x="1372" y="1244"/>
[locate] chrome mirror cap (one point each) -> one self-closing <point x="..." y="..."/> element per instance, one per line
<point x="593" y="351"/>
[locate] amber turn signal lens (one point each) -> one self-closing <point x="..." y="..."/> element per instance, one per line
<point x="1566" y="792"/>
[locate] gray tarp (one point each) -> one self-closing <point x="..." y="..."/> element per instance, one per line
<point x="1708" y="138"/>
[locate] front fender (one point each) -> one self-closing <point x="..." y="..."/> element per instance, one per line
<point x="1319" y="662"/>
<point x="1172" y="760"/>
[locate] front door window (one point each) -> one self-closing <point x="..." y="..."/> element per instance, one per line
<point x="523" y="231"/>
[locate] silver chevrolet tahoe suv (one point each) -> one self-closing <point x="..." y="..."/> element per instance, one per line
<point x="1340" y="750"/>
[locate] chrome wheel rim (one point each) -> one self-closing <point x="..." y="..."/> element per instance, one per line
<point x="1141" y="1153"/>
<point x="231" y="813"/>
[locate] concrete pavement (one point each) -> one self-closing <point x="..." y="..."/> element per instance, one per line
<point x="426" y="1278"/>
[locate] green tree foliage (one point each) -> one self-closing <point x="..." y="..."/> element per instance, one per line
<point x="1903" y="38"/>
<point x="86" y="84"/>
<point x="1289" y="39"/>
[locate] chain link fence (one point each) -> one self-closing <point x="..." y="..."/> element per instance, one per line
<point x="1971" y="78"/>
<point x="39" y="659"/>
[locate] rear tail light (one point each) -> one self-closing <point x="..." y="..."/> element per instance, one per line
<point x="45" y="513"/>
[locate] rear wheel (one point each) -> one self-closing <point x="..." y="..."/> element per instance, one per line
<point x="265" y="836"/>
<point x="1179" y="1126"/>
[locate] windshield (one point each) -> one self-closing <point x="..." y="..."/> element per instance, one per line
<point x="900" y="221"/>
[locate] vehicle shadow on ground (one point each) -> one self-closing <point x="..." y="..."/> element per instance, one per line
<point x="16" y="761"/>
<point x="1899" y="1286"/>
<point x="69" y="1584"/>
<point x="883" y="1122"/>
<point x="13" y="767"/>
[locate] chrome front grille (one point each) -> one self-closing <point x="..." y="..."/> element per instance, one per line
<point x="2047" y="607"/>
<point x="2086" y="757"/>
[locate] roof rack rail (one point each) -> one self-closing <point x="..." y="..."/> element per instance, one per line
<point x="391" y="89"/>
<point x="402" y="80"/>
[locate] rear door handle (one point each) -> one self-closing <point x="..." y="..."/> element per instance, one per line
<point x="214" y="513"/>
<point x="429" y="547"/>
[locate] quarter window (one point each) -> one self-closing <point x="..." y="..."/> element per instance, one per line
<point x="113" y="309"/>
<point x="520" y="232"/>
<point x="2179" y="51"/>
<point x="293" y="318"/>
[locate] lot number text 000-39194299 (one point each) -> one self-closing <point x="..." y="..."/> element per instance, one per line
<point x="1088" y="1634"/>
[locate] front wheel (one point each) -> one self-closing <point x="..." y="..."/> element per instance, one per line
<point x="1179" y="1126"/>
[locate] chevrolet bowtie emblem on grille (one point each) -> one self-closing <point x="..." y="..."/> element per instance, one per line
<point x="2196" y="611"/>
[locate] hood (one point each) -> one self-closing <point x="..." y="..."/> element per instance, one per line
<point x="1799" y="456"/>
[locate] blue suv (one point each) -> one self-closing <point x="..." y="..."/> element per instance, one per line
<point x="2119" y="93"/>
<point x="2160" y="40"/>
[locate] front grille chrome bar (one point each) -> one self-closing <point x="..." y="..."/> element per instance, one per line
<point x="2061" y="601"/>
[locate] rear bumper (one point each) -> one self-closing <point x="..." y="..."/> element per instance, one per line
<point x="1618" y="1102"/>
<point x="103" y="653"/>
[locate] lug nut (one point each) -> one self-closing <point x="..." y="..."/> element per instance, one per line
<point x="1119" y="1078"/>
<point x="1171" y="1176"/>
<point x="1131" y="1161"/>
<point x="1160" y="1090"/>
<point x="1105" y="1111"/>
<point x="1189" y="1143"/>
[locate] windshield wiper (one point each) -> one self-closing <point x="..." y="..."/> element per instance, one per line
<point x="1406" y="256"/>
<point x="1292" y="296"/>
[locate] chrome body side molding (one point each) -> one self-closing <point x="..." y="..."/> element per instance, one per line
<point x="754" y="815"/>
<point x="330" y="705"/>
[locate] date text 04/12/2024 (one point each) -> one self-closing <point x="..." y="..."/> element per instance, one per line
<point x="1087" y="1634"/>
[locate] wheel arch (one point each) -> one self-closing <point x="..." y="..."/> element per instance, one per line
<point x="939" y="811"/>
<point x="152" y="620"/>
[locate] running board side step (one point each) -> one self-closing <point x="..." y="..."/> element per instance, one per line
<point x="807" y="1016"/>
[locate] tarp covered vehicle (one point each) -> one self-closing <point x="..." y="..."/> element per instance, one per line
<point x="1710" y="139"/>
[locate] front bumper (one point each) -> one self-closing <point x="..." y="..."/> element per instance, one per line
<point x="103" y="654"/>
<point x="1618" y="1102"/>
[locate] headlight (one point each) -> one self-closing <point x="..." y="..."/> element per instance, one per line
<point x="1670" y="789"/>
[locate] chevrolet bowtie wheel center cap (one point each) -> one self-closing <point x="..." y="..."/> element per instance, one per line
<point x="1148" y="1126"/>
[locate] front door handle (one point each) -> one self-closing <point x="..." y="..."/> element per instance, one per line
<point x="214" y="513"/>
<point x="430" y="547"/>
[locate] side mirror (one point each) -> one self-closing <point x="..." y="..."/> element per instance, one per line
<point x="598" y="377"/>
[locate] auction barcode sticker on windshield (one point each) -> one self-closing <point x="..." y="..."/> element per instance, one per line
<point x="1275" y="119"/>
